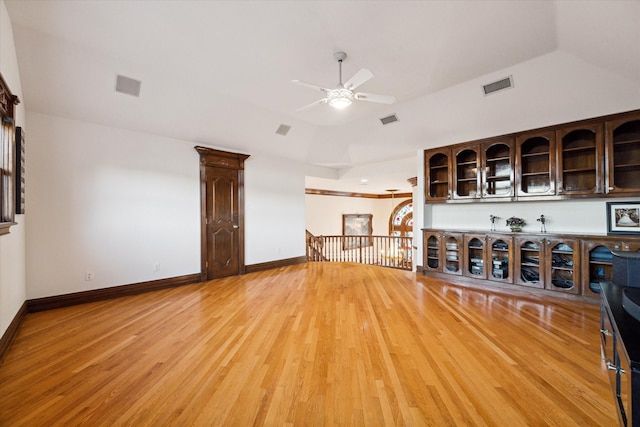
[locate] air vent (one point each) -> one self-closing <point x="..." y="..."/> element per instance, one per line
<point x="501" y="84"/>
<point x="128" y="85"/>
<point x="389" y="119"/>
<point x="283" y="130"/>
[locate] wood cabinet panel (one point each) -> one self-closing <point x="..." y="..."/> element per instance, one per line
<point x="498" y="161"/>
<point x="431" y="252"/>
<point x="622" y="139"/>
<point x="580" y="157"/>
<point x="475" y="256"/>
<point x="562" y="265"/>
<point x="466" y="171"/>
<point x="535" y="164"/>
<point x="438" y="175"/>
<point x="453" y="253"/>
<point x="500" y="249"/>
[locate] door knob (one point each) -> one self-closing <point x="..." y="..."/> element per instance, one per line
<point x="236" y="226"/>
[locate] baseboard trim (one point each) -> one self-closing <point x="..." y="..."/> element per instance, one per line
<point x="11" y="332"/>
<point x="59" y="301"/>
<point x="275" y="264"/>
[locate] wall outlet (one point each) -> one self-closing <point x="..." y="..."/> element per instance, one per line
<point x="88" y="276"/>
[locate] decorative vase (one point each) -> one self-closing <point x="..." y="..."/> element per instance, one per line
<point x="516" y="228"/>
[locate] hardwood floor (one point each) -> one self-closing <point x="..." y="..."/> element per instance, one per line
<point x="312" y="344"/>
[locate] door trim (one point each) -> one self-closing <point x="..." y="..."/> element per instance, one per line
<point x="228" y="160"/>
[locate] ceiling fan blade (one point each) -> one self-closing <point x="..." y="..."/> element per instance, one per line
<point x="360" y="77"/>
<point x="310" y="85"/>
<point x="372" y="97"/>
<point x="320" y="101"/>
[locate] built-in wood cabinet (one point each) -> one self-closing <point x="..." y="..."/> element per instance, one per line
<point x="580" y="157"/>
<point x="498" y="159"/>
<point x="431" y="252"/>
<point x="453" y="251"/>
<point x="500" y="249"/>
<point x="562" y="264"/>
<point x="438" y="178"/>
<point x="475" y="255"/>
<point x="530" y="255"/>
<point x="535" y="164"/>
<point x="571" y="264"/>
<point x="598" y="260"/>
<point x="597" y="157"/>
<point x="623" y="154"/>
<point x="466" y="172"/>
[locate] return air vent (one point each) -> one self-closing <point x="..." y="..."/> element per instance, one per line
<point x="501" y="84"/>
<point x="128" y="85"/>
<point x="283" y="130"/>
<point x="389" y="119"/>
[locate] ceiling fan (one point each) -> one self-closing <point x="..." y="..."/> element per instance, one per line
<point x="343" y="95"/>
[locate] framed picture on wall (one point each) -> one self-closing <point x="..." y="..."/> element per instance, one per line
<point x="357" y="225"/>
<point x="20" y="165"/>
<point x="623" y="218"/>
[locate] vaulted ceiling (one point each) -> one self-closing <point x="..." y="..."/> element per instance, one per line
<point x="219" y="72"/>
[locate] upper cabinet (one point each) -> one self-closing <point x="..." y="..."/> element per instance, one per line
<point x="580" y="160"/>
<point x="438" y="174"/>
<point x="598" y="157"/>
<point x="535" y="164"/>
<point x="466" y="173"/>
<point x="623" y="154"/>
<point x="497" y="168"/>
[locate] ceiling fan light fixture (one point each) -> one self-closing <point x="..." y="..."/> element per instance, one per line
<point x="340" y="98"/>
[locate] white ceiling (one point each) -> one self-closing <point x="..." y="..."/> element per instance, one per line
<point x="219" y="72"/>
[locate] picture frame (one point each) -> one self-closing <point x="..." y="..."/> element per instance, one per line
<point x="20" y="170"/>
<point x="623" y="218"/>
<point x="357" y="225"/>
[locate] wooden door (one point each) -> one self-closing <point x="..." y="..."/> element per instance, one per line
<point x="222" y="213"/>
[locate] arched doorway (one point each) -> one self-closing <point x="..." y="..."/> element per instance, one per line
<point x="401" y="220"/>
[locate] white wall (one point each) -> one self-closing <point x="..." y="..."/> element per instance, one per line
<point x="116" y="203"/>
<point x="274" y="209"/>
<point x="324" y="213"/>
<point x="12" y="246"/>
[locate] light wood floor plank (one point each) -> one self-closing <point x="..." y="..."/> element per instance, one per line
<point x="315" y="344"/>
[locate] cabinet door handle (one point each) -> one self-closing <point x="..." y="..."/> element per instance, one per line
<point x="605" y="332"/>
<point x="610" y="188"/>
<point x="611" y="366"/>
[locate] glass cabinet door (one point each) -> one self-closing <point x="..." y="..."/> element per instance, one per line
<point x="498" y="176"/>
<point x="501" y="259"/>
<point x="562" y="265"/>
<point x="475" y="264"/>
<point x="535" y="173"/>
<point x="580" y="160"/>
<point x="437" y="175"/>
<point x="431" y="251"/>
<point x="466" y="177"/>
<point x="623" y="153"/>
<point x="453" y="253"/>
<point x="529" y="252"/>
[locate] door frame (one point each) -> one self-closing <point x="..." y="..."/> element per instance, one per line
<point x="228" y="160"/>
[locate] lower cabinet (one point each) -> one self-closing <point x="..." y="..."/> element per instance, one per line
<point x="453" y="253"/>
<point x="529" y="256"/>
<point x="475" y="256"/>
<point x="559" y="263"/>
<point x="500" y="249"/>
<point x="562" y="265"/>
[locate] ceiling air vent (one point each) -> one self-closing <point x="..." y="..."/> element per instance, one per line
<point x="389" y="119"/>
<point x="501" y="84"/>
<point x="128" y="85"/>
<point x="283" y="130"/>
